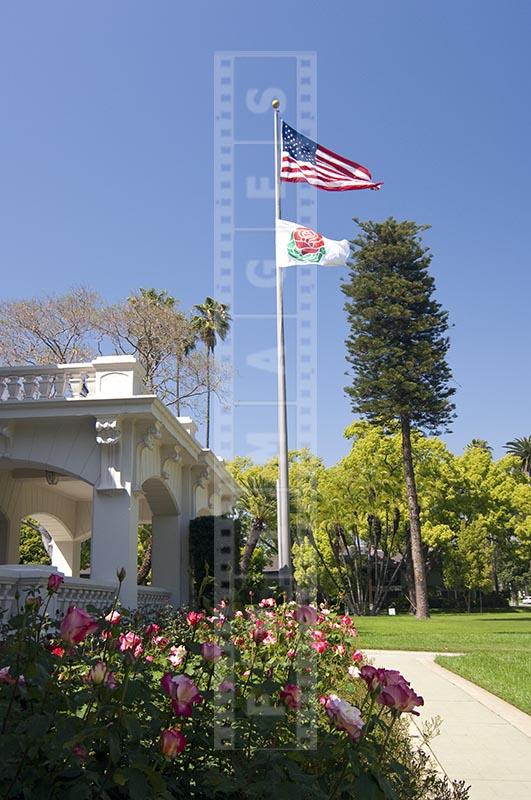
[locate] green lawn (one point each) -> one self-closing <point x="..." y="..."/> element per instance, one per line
<point x="497" y="646"/>
<point x="497" y="632"/>
<point x="507" y="675"/>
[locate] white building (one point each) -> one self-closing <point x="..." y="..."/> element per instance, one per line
<point x="86" y="453"/>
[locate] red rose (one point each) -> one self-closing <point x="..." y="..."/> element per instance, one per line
<point x="307" y="241"/>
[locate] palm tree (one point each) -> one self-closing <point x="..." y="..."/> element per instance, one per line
<point x="211" y="322"/>
<point x="481" y="443"/>
<point x="521" y="448"/>
<point x="257" y="503"/>
<point x="188" y="346"/>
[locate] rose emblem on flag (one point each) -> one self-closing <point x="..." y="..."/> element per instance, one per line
<point x="306" y="245"/>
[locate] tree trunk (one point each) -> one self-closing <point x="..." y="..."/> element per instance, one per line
<point x="143" y="572"/>
<point x="250" y="546"/>
<point x="419" y="567"/>
<point x="410" y="577"/>
<point x="208" y="400"/>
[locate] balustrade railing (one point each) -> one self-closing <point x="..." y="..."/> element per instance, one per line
<point x="152" y="598"/>
<point x="19" y="384"/>
<point x="17" y="582"/>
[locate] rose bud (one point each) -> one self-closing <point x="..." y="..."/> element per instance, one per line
<point x="113" y="617"/>
<point x="55" y="581"/>
<point x="80" y="752"/>
<point x="172" y="742"/>
<point x="259" y="634"/>
<point x="120" y="574"/>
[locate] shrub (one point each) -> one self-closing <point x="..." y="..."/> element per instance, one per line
<point x="270" y="702"/>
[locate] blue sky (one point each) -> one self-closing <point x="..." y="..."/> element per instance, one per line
<point x="106" y="166"/>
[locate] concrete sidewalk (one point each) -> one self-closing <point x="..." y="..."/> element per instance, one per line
<point x="483" y="740"/>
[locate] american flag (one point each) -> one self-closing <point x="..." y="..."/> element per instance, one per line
<point x="304" y="160"/>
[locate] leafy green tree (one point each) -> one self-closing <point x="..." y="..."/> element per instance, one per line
<point x="31" y="548"/>
<point x="521" y="448"/>
<point x="397" y="348"/>
<point x="211" y="322"/>
<point x="257" y="503"/>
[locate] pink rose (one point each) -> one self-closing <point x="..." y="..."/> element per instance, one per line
<point x="151" y="630"/>
<point x="177" y="655"/>
<point x="291" y="695"/>
<point x="130" y="643"/>
<point x="55" y="581"/>
<point x="161" y="641"/>
<point x="259" y="634"/>
<point x="113" y="617"/>
<point x="306" y="615"/>
<point x="80" y="752"/>
<point x="211" y="652"/>
<point x="6" y="677"/>
<point x="357" y="657"/>
<point x="226" y="686"/>
<point x="194" y="618"/>
<point x="344" y="716"/>
<point x="182" y="691"/>
<point x="172" y="742"/>
<point x="77" y="625"/>
<point x="399" y="697"/>
<point x="267" y="602"/>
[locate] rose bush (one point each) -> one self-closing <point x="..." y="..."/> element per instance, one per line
<point x="222" y="705"/>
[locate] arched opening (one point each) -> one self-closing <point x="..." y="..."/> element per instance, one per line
<point x="164" y="546"/>
<point x="159" y="498"/>
<point x="57" y="544"/>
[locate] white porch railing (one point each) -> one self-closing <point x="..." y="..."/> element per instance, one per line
<point x="17" y="581"/>
<point x="106" y="376"/>
<point x="46" y="383"/>
<point x="152" y="598"/>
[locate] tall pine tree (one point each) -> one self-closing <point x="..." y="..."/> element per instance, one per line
<point x="397" y="347"/>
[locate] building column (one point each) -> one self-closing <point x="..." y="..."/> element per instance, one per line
<point x="186" y="506"/>
<point x="66" y="557"/>
<point x="166" y="556"/>
<point x="115" y="541"/>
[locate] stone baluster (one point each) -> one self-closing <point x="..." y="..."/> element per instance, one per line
<point x="3" y="389"/>
<point x="13" y="388"/>
<point x="29" y="383"/>
<point x="58" y="386"/>
<point x="90" y="384"/>
<point x="76" y="382"/>
<point x="45" y="386"/>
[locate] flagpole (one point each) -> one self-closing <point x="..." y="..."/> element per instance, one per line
<point x="284" y="545"/>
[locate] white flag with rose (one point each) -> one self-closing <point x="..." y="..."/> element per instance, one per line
<point x="296" y="244"/>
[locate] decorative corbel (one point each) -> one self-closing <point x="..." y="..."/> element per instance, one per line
<point x="108" y="434"/>
<point x="152" y="435"/>
<point x="169" y="454"/>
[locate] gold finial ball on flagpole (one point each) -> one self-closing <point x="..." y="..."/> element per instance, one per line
<point x="275" y="103"/>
